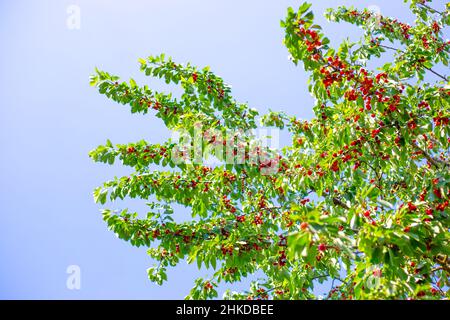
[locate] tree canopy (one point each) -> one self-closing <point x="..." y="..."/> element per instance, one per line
<point x="360" y="198"/>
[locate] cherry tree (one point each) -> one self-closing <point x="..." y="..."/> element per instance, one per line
<point x="359" y="199"/>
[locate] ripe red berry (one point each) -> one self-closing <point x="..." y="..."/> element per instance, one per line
<point x="304" y="225"/>
<point x="258" y="220"/>
<point x="335" y="166"/>
<point x="322" y="247"/>
<point x="208" y="286"/>
<point x="375" y="132"/>
<point x="437" y="193"/>
<point x="351" y="95"/>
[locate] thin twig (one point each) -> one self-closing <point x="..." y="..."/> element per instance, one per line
<point x="431" y="9"/>
<point x="435" y="162"/>
<point x="439" y="75"/>
<point x="437" y="269"/>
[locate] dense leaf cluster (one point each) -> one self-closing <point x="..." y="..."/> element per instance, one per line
<point x="360" y="197"/>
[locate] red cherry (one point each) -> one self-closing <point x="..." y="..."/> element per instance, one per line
<point x="322" y="247"/>
<point x="335" y="166"/>
<point x="437" y="193"/>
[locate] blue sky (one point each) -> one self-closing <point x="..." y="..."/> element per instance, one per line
<point x="50" y="119"/>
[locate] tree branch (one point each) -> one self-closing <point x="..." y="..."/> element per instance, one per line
<point x="338" y="202"/>
<point x="431" y="9"/>
<point x="439" y="75"/>
<point x="429" y="69"/>
<point x="435" y="162"/>
<point x="443" y="261"/>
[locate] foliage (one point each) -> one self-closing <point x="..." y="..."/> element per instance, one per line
<point x="360" y="198"/>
